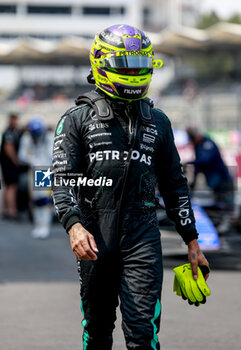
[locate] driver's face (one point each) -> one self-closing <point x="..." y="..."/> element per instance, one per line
<point x="129" y="71"/>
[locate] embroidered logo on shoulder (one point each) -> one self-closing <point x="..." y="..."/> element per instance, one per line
<point x="60" y="126"/>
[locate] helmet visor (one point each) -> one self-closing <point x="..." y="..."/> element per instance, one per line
<point x="130" y="71"/>
<point x="126" y="60"/>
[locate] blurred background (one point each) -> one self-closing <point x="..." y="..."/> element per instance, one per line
<point x="44" y="62"/>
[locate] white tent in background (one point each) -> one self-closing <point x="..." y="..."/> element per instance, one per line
<point x="74" y="50"/>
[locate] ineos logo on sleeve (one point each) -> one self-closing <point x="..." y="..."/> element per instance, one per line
<point x="184" y="211"/>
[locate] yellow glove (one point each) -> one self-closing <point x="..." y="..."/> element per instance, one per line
<point x="184" y="284"/>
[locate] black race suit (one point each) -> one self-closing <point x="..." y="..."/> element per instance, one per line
<point x="119" y="210"/>
<point x="10" y="171"/>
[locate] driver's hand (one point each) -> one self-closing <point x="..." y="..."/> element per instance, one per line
<point x="196" y="257"/>
<point x="82" y="242"/>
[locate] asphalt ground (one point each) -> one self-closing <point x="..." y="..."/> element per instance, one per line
<point x="39" y="295"/>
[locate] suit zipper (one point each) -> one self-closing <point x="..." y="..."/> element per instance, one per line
<point x="133" y="132"/>
<point x="130" y="124"/>
<point x="130" y="128"/>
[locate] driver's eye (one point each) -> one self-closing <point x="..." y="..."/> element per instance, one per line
<point x="131" y="71"/>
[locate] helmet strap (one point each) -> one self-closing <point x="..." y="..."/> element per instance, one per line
<point x="146" y="106"/>
<point x="98" y="103"/>
<point x="103" y="109"/>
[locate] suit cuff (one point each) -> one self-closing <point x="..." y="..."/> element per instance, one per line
<point x="190" y="236"/>
<point x="71" y="221"/>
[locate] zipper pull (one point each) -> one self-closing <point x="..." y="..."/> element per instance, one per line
<point x="130" y="123"/>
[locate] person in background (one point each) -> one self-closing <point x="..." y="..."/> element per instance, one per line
<point x="208" y="160"/>
<point x="9" y="165"/>
<point x="36" y="150"/>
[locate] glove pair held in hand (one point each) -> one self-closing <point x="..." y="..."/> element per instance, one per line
<point x="195" y="291"/>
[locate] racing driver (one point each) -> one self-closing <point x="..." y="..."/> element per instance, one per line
<point x="111" y="150"/>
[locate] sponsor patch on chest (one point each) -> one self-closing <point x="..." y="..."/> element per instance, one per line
<point x="117" y="155"/>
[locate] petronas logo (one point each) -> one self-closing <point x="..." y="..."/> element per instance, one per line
<point x="60" y="127"/>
